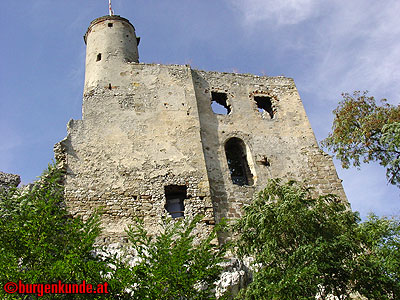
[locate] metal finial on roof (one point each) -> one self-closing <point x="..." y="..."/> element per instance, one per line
<point x="109" y="8"/>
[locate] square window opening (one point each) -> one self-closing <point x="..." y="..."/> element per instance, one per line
<point x="219" y="104"/>
<point x="175" y="196"/>
<point x="264" y="104"/>
<point x="110" y="24"/>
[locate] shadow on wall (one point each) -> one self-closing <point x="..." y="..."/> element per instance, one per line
<point x="211" y="147"/>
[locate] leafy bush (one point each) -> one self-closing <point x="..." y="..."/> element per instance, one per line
<point x="41" y="243"/>
<point x="171" y="264"/>
<point x="304" y="246"/>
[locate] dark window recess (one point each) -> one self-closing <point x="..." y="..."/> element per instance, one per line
<point x="109" y="86"/>
<point x="264" y="104"/>
<point x="175" y="195"/>
<point x="219" y="103"/>
<point x="265" y="162"/>
<point x="110" y="24"/>
<point x="239" y="169"/>
<point x="98" y="57"/>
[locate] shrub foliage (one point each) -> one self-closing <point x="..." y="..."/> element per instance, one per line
<point x="304" y="246"/>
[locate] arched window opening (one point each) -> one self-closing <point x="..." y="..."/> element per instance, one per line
<point x="235" y="150"/>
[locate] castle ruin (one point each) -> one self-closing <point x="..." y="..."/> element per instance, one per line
<point x="160" y="140"/>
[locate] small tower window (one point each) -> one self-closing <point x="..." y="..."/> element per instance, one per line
<point x="219" y="104"/>
<point x="110" y="24"/>
<point x="98" y="57"/>
<point x="265" y="162"/>
<point x="175" y="195"/>
<point x="264" y="104"/>
<point x="235" y="150"/>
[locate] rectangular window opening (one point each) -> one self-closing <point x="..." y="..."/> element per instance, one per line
<point x="110" y="24"/>
<point x="264" y="104"/>
<point x="98" y="57"/>
<point x="219" y="104"/>
<point x="175" y="196"/>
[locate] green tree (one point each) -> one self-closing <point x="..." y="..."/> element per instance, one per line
<point x="364" y="131"/>
<point x="41" y="243"/>
<point x="171" y="265"/>
<point x="378" y="272"/>
<point x="304" y="246"/>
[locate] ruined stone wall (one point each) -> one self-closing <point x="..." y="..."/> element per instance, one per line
<point x="283" y="146"/>
<point x="9" y="180"/>
<point x="134" y="139"/>
<point x="148" y="126"/>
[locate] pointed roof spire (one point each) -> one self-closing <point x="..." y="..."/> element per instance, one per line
<point x="109" y="8"/>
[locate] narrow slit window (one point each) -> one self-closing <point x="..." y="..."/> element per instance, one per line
<point x="98" y="57"/>
<point x="235" y="150"/>
<point x="109" y="86"/>
<point x="264" y="104"/>
<point x="219" y="104"/>
<point x="175" y="196"/>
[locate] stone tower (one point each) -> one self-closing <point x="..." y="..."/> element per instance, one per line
<point x="110" y="42"/>
<point x="160" y="140"/>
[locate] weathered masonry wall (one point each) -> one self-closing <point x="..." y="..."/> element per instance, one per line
<point x="279" y="143"/>
<point x="135" y="139"/>
<point x="154" y="128"/>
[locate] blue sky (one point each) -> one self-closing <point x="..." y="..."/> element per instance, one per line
<point x="328" y="47"/>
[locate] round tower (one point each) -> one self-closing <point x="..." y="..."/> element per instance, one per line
<point x="110" y="41"/>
